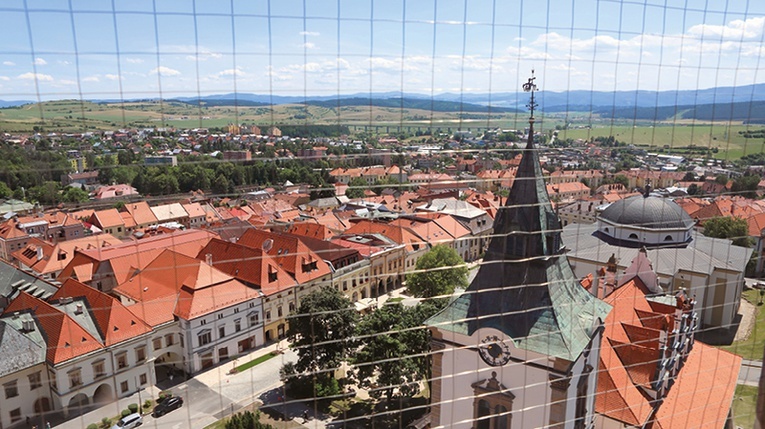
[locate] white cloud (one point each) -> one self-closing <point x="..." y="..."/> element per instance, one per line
<point x="231" y="72"/>
<point x="164" y="71"/>
<point x="308" y="45"/>
<point x="64" y="62"/>
<point x="204" y="55"/>
<point x="38" y="76"/>
<point x="309" y="33"/>
<point x="739" y="29"/>
<point x="9" y="63"/>
<point x="134" y="60"/>
<point x="91" y="79"/>
<point x="67" y="82"/>
<point x="5" y="78"/>
<point x="112" y="76"/>
<point x="40" y="62"/>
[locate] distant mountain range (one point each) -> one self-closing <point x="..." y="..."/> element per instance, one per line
<point x="721" y="103"/>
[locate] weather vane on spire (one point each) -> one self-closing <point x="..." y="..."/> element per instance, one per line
<point x="530" y="86"/>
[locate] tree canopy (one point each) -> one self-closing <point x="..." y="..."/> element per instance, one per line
<point x="730" y="227"/>
<point x="394" y="349"/>
<point x="437" y="273"/>
<point x="322" y="329"/>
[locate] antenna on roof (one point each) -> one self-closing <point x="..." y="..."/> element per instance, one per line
<point x="268" y="244"/>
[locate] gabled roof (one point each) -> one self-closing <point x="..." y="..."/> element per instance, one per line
<point x="311" y="229"/>
<point x="107" y="218"/>
<point x="115" y="321"/>
<point x="177" y="285"/>
<point x="168" y="212"/>
<point x="57" y="256"/>
<point x="291" y="254"/>
<point x="250" y="265"/>
<point x="125" y="258"/>
<point x="9" y="231"/>
<point x="397" y="233"/>
<point x="65" y="339"/>
<point x="141" y="213"/>
<point x="194" y="210"/>
<point x="702" y="391"/>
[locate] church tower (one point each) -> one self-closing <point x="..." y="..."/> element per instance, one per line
<point x="518" y="348"/>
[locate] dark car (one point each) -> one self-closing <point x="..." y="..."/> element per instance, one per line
<point x="169" y="404"/>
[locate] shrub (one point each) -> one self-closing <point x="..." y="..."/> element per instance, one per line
<point x="125" y="413"/>
<point x="133" y="408"/>
<point x="92" y="426"/>
<point x="147" y="404"/>
<point x="106" y="422"/>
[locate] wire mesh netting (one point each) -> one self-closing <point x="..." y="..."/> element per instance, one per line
<point x="399" y="214"/>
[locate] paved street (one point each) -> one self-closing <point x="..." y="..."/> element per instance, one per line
<point x="208" y="397"/>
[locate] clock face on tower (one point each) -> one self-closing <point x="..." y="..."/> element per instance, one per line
<point x="494" y="351"/>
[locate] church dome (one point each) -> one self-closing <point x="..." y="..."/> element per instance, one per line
<point x="647" y="212"/>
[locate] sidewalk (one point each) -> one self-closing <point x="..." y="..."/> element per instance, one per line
<point x="109" y="410"/>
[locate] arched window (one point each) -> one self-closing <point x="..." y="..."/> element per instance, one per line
<point x="633" y="236"/>
<point x="668" y="238"/>
<point x="502" y="418"/>
<point x="606" y="230"/>
<point x="484" y="411"/>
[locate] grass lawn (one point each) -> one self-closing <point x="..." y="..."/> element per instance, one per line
<point x="254" y="362"/>
<point x="744" y="401"/>
<point x="752" y="348"/>
<point x="396" y="299"/>
<point x="264" y="418"/>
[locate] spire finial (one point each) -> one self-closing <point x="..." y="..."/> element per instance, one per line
<point x="531" y="87"/>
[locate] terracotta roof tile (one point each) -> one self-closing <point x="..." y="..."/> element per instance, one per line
<point x="64" y="337"/>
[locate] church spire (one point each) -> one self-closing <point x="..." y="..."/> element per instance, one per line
<point x="525" y="286"/>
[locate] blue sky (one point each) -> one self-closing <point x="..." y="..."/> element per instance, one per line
<point x="55" y="49"/>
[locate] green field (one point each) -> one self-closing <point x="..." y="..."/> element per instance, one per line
<point x="672" y="137"/>
<point x="76" y="116"/>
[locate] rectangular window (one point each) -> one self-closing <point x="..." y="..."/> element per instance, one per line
<point x="169" y="340"/>
<point x="157" y="343"/>
<point x="124" y="386"/>
<point x="279" y="311"/>
<point x="140" y="354"/>
<point x="35" y="380"/>
<point x="98" y="369"/>
<point x="236" y="310"/>
<point x="268" y="315"/>
<point x="237" y="325"/>
<point x="75" y="378"/>
<point x="11" y="389"/>
<point x="254" y="319"/>
<point x="221" y="332"/>
<point x="142" y="378"/>
<point x="15" y="415"/>
<point x="205" y="339"/>
<point x="220" y="316"/>
<point x="203" y="322"/>
<point x="122" y="361"/>
<point x="180" y="340"/>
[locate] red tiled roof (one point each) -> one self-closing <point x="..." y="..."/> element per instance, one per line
<point x="177" y="285"/>
<point x="289" y="252"/>
<point x="115" y="321"/>
<point x="65" y="338"/>
<point x="107" y="218"/>
<point x="141" y="213"/>
<point x="248" y="264"/>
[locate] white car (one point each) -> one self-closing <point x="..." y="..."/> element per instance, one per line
<point x="129" y="422"/>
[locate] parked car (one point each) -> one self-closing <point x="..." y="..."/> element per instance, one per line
<point x="169" y="404"/>
<point x="129" y="422"/>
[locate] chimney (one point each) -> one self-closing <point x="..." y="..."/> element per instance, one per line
<point x="208" y="259"/>
<point x="78" y="309"/>
<point x="39" y="252"/>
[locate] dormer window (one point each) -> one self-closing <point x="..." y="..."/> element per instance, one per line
<point x="272" y="274"/>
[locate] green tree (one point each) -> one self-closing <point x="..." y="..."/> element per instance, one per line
<point x="746" y="186"/>
<point x="694" y="189"/>
<point x="5" y="191"/>
<point x="729" y="227"/>
<point x="394" y="349"/>
<point x="220" y="185"/>
<point x="322" y="329"/>
<point x="438" y="273"/>
<point x="47" y="193"/>
<point x="689" y="177"/>
<point x="721" y="179"/>
<point x="356" y="188"/>
<point x="74" y="195"/>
